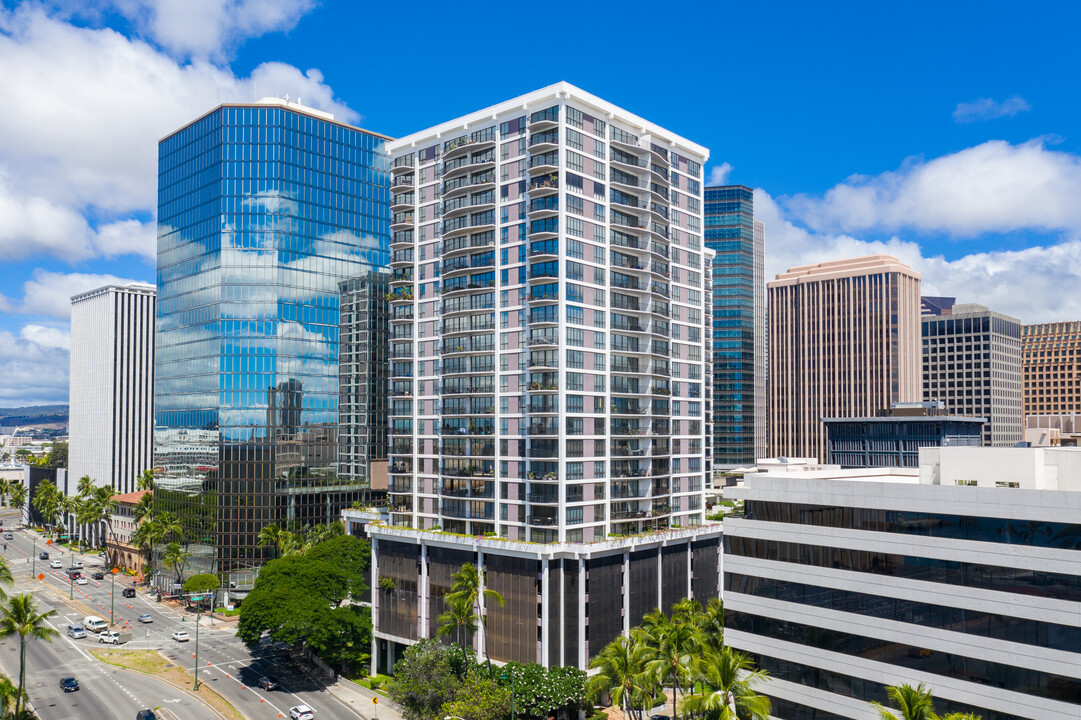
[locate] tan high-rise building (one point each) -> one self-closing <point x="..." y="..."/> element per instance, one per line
<point x="1051" y="366"/>
<point x="844" y="341"/>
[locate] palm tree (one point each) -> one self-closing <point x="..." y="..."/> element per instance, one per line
<point x="458" y="616"/>
<point x="17" y="496"/>
<point x="621" y="674"/>
<point x="672" y="644"/>
<point x="70" y="506"/>
<point x="914" y="703"/>
<point x="724" y="682"/>
<point x="47" y="502"/>
<point x="5" y="489"/>
<point x="469" y="585"/>
<point x="173" y="558"/>
<point x="271" y="535"/>
<point x="144" y="508"/>
<point x="145" y="481"/>
<point x="104" y="504"/>
<point x="8" y="693"/>
<point x="711" y="623"/>
<point x="85" y="488"/>
<point x="20" y="617"/>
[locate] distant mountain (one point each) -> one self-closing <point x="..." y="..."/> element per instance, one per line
<point x="34" y="415"/>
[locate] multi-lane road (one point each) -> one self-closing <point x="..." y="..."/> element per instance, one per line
<point x="108" y="693"/>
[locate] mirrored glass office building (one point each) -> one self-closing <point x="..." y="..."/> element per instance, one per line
<point x="263" y="211"/>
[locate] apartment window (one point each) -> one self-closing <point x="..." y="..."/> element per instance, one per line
<point x="574" y="117"/>
<point x="574" y="293"/>
<point x="575" y="315"/>
<point x="600" y="127"/>
<point x="598" y="149"/>
<point x="575" y="205"/>
<point x="574" y="161"/>
<point x="574" y="517"/>
<point x="575" y="360"/>
<point x="574" y="270"/>
<point x="598" y="295"/>
<point x="574" y="139"/>
<point x="598" y="212"/>
<point x="574" y="449"/>
<point x="598" y="361"/>
<point x="598" y="233"/>
<point x="598" y="319"/>
<point x="574" y="381"/>
<point x="575" y="226"/>
<point x="574" y="426"/>
<point x="574" y="402"/>
<point x="598" y="383"/>
<point x="574" y="248"/>
<point x="598" y="255"/>
<point x="575" y="337"/>
<point x="598" y="340"/>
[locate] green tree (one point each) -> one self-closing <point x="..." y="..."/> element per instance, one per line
<point x="20" y="617"/>
<point x="543" y="692"/>
<point x="457" y="617"/>
<point x="145" y="481"/>
<point x="5" y="489"/>
<point x="479" y="697"/>
<point x="8" y="692"/>
<point x="672" y="643"/>
<point x="58" y="455"/>
<point x="104" y="505"/>
<point x="201" y="583"/>
<point x="724" y="687"/>
<point x="621" y="674"/>
<point x="469" y="586"/>
<point x="144" y="509"/>
<point x="47" y="502"/>
<point x="17" y="496"/>
<point x="913" y="703"/>
<point x="174" y="558"/>
<point x="427" y="677"/>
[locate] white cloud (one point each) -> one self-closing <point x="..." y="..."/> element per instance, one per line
<point x="1031" y="284"/>
<point x="49" y="293"/>
<point x="84" y="111"/>
<point x="211" y="28"/>
<point x="47" y="337"/>
<point x="718" y="175"/>
<point x="989" y="109"/>
<point x="35" y="369"/>
<point x="992" y="187"/>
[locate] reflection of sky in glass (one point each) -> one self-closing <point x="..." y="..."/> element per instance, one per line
<point x="262" y="212"/>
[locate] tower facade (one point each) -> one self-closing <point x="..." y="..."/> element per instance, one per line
<point x="550" y="372"/>
<point x="844" y="341"/>
<point x="739" y="325"/>
<point x="972" y="364"/>
<point x="263" y="211"/>
<point x="1052" y="368"/>
<point x="111" y="425"/>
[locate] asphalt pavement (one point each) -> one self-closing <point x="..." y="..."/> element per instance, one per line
<point x="225" y="662"/>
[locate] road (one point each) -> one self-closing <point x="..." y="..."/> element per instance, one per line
<point x="225" y="663"/>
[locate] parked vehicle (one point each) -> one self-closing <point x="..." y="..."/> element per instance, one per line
<point x="95" y="624"/>
<point x="69" y="684"/>
<point x="109" y="637"/>
<point x="9" y="536"/>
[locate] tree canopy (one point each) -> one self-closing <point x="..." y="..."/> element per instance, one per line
<point x="203" y="582"/>
<point x="300" y="598"/>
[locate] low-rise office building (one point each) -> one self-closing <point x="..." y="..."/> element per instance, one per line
<point x="893" y="437"/>
<point x="964" y="575"/>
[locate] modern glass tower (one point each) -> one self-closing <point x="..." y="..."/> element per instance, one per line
<point x="739" y="325"/>
<point x="263" y="211"/>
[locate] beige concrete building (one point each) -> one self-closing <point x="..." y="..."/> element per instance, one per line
<point x="844" y="341"/>
<point x="1051" y="366"/>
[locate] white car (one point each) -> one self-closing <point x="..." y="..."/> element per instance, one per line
<point x="301" y="712"/>
<point x="55" y="564"/>
<point x="180" y="636"/>
<point x="78" y="564"/>
<point x="109" y="637"/>
<point x="82" y="581"/>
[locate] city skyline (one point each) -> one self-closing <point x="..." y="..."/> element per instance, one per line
<point x="969" y="179"/>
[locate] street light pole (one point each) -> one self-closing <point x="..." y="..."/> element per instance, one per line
<point x="71" y="576"/>
<point x="112" y="598"/>
<point x="198" y="606"/>
<point x="34" y="558"/>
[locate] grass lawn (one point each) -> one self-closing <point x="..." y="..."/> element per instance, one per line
<point x="366" y="681"/>
<point x="153" y="663"/>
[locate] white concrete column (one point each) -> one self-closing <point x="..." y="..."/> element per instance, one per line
<point x="545" y="602"/>
<point x="424" y="601"/>
<point x="690" y="568"/>
<point x="583" y="655"/>
<point x="626" y="602"/>
<point x="374" y="661"/>
<point x="660" y="576"/>
<point x="482" y="640"/>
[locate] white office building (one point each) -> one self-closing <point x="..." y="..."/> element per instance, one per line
<point x="964" y="575"/>
<point x="550" y="374"/>
<point x="111" y="421"/>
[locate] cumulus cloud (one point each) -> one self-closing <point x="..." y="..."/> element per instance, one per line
<point x="1027" y="284"/>
<point x="84" y="110"/>
<point x="718" y="174"/>
<point x="989" y="109"/>
<point x="49" y="293"/>
<point x="992" y="187"/>
<point x="34" y="366"/>
<point x="47" y="337"/>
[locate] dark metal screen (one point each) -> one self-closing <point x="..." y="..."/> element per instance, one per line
<point x="572" y="613"/>
<point x="512" y="629"/>
<point x="604" y="592"/>
<point x="398" y="607"/>
<point x="673" y="575"/>
<point x="705" y="569"/>
<point x="442" y="563"/>
<point x="643" y="584"/>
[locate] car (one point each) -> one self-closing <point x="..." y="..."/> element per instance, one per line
<point x="109" y="637"/>
<point x="76" y="631"/>
<point x="128" y="592"/>
<point x="77" y="564"/>
<point x="659" y="717"/>
<point x="44" y="555"/>
<point x="81" y="580"/>
<point x="98" y="576"/>
<point x="9" y="536"/>
<point x="74" y="574"/>
<point x="69" y="684"/>
<point x="180" y="635"/>
<point x="301" y="712"/>
<point x="146" y="618"/>
<point x="56" y="564"/>
<point x="146" y="715"/>
<point x="269" y="683"/>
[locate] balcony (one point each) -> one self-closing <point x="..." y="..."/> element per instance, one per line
<point x="401" y="237"/>
<point x="401" y="294"/>
<point x="400" y="486"/>
<point x="462" y="427"/>
<point x="543" y="428"/>
<point x="402" y="202"/>
<point x="401" y="182"/>
<point x="544" y="119"/>
<point x="401" y="221"/>
<point x="544" y="185"/>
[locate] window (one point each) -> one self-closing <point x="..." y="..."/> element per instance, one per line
<point x="574" y="514"/>
<point x="598" y="383"/>
<point x="575" y="205"/>
<point x="574" y="161"/>
<point x="598" y="212"/>
<point x="574" y="139"/>
<point x="575" y="226"/>
<point x="574" y="449"/>
<point x="599" y="127"/>
<point x="574" y="270"/>
<point x="574" y="293"/>
<point x="574" y="426"/>
<point x="598" y="361"/>
<point x="598" y="340"/>
<point x="574" y="337"/>
<point x="574" y="381"/>
<point x="598" y="319"/>
<point x="598" y="255"/>
<point x="575" y="360"/>
<point x="575" y="315"/>
<point x="574" y="247"/>
<point x="574" y="402"/>
<point x="598" y="149"/>
<point x="574" y="117"/>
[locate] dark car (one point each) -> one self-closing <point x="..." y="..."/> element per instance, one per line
<point x="98" y="576"/>
<point x="128" y="592"/>
<point x="69" y="684"/>
<point x="44" y="555"/>
<point x="269" y="683"/>
<point x="146" y="715"/>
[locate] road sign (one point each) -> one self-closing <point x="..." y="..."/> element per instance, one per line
<point x="41" y="576"/>
<point x="148" y="632"/>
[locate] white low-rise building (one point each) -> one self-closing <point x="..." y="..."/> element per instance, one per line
<point x="964" y="575"/>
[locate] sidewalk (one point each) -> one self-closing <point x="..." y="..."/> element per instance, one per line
<point x="360" y="700"/>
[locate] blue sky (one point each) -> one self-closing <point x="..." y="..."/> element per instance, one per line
<point x="944" y="133"/>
